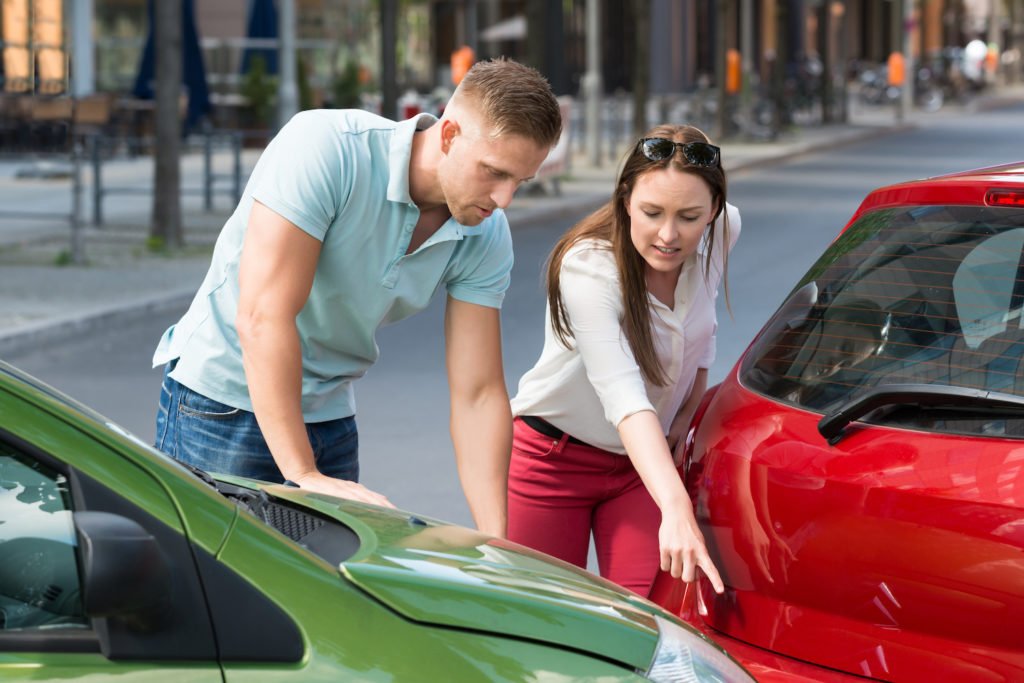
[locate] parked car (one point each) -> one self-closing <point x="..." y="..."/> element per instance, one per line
<point x="859" y="475"/>
<point x="118" y="563"/>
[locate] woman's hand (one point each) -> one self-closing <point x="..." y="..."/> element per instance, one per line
<point x="683" y="550"/>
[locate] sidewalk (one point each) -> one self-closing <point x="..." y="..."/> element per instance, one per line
<point x="41" y="301"/>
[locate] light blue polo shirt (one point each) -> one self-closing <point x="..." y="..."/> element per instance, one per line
<point x="343" y="177"/>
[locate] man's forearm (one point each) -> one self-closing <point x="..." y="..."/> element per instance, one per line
<point x="482" y="436"/>
<point x="273" y="370"/>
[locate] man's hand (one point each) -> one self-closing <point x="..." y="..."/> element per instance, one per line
<point x="318" y="482"/>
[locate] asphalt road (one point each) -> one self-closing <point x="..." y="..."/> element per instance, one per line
<point x="791" y="211"/>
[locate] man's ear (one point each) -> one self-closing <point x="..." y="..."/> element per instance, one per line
<point x="449" y="131"/>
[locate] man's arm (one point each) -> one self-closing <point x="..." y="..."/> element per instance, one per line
<point x="275" y="277"/>
<point x="481" y="420"/>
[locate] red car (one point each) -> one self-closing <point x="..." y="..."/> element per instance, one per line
<point x="859" y="476"/>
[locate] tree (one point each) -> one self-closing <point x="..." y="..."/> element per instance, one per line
<point x="641" y="64"/>
<point x="165" y="229"/>
<point x="389" y="58"/>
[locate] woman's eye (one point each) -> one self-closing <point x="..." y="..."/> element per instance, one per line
<point x="651" y="214"/>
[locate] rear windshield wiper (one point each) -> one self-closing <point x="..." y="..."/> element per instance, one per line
<point x="975" y="401"/>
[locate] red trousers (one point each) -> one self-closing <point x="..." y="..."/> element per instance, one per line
<point x="559" y="493"/>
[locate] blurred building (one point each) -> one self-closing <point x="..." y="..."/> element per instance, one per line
<point x="339" y="51"/>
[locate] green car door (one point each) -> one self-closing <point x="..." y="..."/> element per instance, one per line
<point x="45" y="632"/>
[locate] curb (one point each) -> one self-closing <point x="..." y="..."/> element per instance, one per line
<point x="802" y="149"/>
<point x="566" y="208"/>
<point x="61" y="328"/>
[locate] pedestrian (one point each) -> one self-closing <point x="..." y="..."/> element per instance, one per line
<point x="351" y="221"/>
<point x="601" y="418"/>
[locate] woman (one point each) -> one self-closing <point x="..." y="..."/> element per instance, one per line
<point x="629" y="337"/>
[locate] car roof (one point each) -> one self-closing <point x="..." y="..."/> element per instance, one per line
<point x="963" y="187"/>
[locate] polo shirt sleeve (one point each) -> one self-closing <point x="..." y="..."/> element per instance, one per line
<point x="733" y="213"/>
<point x="482" y="268"/>
<point x="589" y="285"/>
<point x="300" y="176"/>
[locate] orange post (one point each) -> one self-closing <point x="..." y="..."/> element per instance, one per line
<point x="992" y="58"/>
<point x="896" y="69"/>
<point x="462" y="60"/>
<point x="732" y="71"/>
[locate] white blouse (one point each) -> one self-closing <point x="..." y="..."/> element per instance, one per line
<point x="588" y="388"/>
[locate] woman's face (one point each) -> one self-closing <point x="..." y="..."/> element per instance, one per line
<point x="668" y="211"/>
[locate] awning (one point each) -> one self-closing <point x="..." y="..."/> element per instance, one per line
<point x="513" y="28"/>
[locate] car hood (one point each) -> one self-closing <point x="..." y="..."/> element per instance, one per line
<point x="450" y="576"/>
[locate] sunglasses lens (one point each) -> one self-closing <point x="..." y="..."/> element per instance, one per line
<point x="657" y="149"/>
<point x="700" y="153"/>
<point x="696" y="153"/>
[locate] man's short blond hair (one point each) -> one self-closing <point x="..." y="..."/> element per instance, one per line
<point x="514" y="99"/>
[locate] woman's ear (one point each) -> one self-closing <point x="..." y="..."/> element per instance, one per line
<point x="717" y="210"/>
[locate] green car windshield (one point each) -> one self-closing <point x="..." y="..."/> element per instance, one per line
<point x="909" y="295"/>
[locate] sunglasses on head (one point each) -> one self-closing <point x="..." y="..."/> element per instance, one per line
<point x="696" y="153"/>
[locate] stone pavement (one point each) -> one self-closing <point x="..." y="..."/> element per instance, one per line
<point x="43" y="298"/>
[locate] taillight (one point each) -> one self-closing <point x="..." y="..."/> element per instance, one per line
<point x="1005" y="198"/>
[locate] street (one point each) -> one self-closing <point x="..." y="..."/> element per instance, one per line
<point x="790" y="211"/>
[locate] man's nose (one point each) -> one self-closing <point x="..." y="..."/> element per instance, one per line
<point x="502" y="195"/>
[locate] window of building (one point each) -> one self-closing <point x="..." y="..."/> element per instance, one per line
<point x="34" y="51"/>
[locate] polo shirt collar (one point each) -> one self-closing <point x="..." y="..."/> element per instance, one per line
<point x="399" y="154"/>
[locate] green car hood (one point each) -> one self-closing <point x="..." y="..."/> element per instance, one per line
<point x="450" y="576"/>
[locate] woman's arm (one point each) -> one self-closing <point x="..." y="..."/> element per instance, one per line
<point x="679" y="538"/>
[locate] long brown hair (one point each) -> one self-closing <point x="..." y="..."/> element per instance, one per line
<point x="611" y="223"/>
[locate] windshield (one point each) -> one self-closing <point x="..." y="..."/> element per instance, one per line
<point x="909" y="295"/>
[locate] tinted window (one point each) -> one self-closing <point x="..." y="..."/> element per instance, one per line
<point x="39" y="584"/>
<point x="922" y="295"/>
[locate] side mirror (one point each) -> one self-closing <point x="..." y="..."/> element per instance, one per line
<point x="124" y="573"/>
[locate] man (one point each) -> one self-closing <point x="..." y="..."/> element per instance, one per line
<point x="351" y="221"/>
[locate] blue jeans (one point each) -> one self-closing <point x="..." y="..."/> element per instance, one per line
<point x="219" y="438"/>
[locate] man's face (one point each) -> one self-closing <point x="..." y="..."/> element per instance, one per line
<point x="480" y="173"/>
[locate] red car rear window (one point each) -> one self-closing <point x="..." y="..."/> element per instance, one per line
<point x="908" y="295"/>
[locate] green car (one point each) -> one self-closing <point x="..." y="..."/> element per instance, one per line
<point x="118" y="563"/>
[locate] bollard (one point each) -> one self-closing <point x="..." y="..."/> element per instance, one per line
<point x="97" y="180"/>
<point x="237" y="151"/>
<point x="75" y="219"/>
<point x="208" y="171"/>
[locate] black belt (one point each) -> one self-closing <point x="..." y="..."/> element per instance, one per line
<point x="547" y="429"/>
